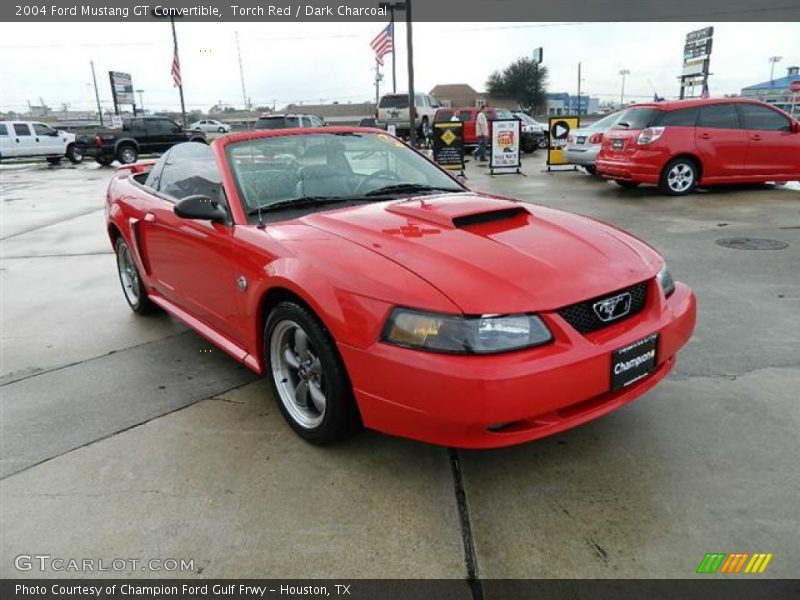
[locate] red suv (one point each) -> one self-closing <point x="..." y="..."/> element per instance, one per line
<point x="680" y="145"/>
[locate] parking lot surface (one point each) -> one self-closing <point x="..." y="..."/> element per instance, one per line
<point x="133" y="437"/>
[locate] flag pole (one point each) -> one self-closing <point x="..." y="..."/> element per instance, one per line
<point x="394" y="63"/>
<point x="180" y="84"/>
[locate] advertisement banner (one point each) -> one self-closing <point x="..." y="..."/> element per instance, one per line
<point x="505" y="139"/>
<point x="448" y="144"/>
<point x="121" y="88"/>
<point x="559" y="131"/>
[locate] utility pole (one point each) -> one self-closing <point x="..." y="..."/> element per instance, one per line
<point x="241" y="73"/>
<point x="96" y="94"/>
<point x="412" y="133"/>
<point x="623" y="72"/>
<point x="773" y="60"/>
<point x="579" y="89"/>
<point x="391" y="7"/>
<point x="378" y="78"/>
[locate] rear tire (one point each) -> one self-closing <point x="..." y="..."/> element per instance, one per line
<point x="132" y="286"/>
<point x="74" y="154"/>
<point x="221" y="130"/>
<point x="127" y="154"/>
<point x="628" y="185"/>
<point x="307" y="376"/>
<point x="591" y="170"/>
<point x="679" y="177"/>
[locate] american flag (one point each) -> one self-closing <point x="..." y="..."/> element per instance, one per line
<point x="705" y="93"/>
<point x="383" y="43"/>
<point x="176" y="69"/>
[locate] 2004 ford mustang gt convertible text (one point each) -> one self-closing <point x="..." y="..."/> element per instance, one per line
<point x="372" y="288"/>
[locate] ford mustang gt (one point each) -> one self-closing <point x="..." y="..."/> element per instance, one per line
<point x="373" y="289"/>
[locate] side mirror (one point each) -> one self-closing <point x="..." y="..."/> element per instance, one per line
<point x="53" y="134"/>
<point x="202" y="208"/>
<point x="796" y="127"/>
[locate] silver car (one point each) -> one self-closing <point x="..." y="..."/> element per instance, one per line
<point x="209" y="125"/>
<point x="584" y="144"/>
<point x="531" y="125"/>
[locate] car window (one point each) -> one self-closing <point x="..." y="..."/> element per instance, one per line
<point x="3" y="129"/>
<point x="503" y="113"/>
<point x="466" y="115"/>
<point x="190" y="169"/>
<point x="605" y="122"/>
<point x="444" y="115"/>
<point x="637" y="118"/>
<point x="315" y="121"/>
<point x="161" y="127"/>
<point x="719" y="116"/>
<point x="685" y="117"/>
<point x="42" y="129"/>
<point x="21" y="129"/>
<point x="394" y="101"/>
<point x="762" y="118"/>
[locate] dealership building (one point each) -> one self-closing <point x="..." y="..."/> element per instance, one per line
<point x="776" y="91"/>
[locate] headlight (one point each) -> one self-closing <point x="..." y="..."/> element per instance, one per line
<point x="457" y="334"/>
<point x="665" y="281"/>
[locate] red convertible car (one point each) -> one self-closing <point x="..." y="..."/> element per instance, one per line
<point x="373" y="289"/>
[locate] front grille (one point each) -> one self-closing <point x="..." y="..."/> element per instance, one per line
<point x="583" y="318"/>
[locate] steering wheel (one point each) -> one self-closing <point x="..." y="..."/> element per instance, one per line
<point x="382" y="174"/>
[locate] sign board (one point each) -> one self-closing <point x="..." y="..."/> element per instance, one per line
<point x="116" y="122"/>
<point x="121" y="89"/>
<point x="538" y="55"/>
<point x="794" y="87"/>
<point x="694" y="67"/>
<point x="696" y="58"/>
<point x="448" y="144"/>
<point x="505" y="139"/>
<point x="560" y="128"/>
<point x="700" y="34"/>
<point x="391" y="129"/>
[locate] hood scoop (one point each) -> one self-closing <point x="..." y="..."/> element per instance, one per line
<point x="457" y="212"/>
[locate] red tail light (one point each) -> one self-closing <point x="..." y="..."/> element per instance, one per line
<point x="98" y="141"/>
<point x="596" y="138"/>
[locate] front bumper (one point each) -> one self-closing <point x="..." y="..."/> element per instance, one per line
<point x="501" y="400"/>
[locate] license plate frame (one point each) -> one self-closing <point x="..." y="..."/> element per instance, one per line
<point x="581" y="139"/>
<point x="633" y="362"/>
<point x="618" y="144"/>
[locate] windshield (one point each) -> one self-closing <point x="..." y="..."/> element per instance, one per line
<point x="637" y="118"/>
<point x="330" y="166"/>
<point x="503" y="113"/>
<point x="394" y="101"/>
<point x="277" y="123"/>
<point x="605" y="122"/>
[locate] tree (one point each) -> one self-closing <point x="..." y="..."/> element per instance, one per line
<point x="524" y="81"/>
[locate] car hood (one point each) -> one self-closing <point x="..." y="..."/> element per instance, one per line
<point x="492" y="255"/>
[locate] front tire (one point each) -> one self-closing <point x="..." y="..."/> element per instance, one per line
<point x="74" y="154"/>
<point x="132" y="286"/>
<point x="307" y="376"/>
<point x="221" y="130"/>
<point x="679" y="177"/>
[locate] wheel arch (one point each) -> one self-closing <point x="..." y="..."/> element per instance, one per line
<point x="688" y="155"/>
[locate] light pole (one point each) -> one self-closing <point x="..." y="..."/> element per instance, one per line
<point x="773" y="60"/>
<point x="141" y="100"/>
<point x="96" y="94"/>
<point x="623" y="72"/>
<point x="391" y="7"/>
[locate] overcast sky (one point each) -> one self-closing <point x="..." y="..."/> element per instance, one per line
<point x="310" y="62"/>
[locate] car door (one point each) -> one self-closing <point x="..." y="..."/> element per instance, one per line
<point x="7" y="149"/>
<point x="191" y="260"/>
<point x="24" y="141"/>
<point x="47" y="139"/>
<point x="135" y="128"/>
<point x="773" y="148"/>
<point x="720" y="142"/>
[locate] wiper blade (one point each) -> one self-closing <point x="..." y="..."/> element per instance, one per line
<point x="302" y="202"/>
<point x="624" y="124"/>
<point x="409" y="187"/>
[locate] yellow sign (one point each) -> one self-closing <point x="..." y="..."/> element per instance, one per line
<point x="560" y="128"/>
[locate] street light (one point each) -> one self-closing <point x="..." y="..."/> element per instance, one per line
<point x="141" y="100"/>
<point x="623" y="72"/>
<point x="406" y="6"/>
<point x="391" y="7"/>
<point x="773" y="60"/>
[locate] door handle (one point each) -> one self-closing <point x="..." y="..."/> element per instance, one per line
<point x="705" y="136"/>
<point x="150" y="217"/>
<point x="756" y="138"/>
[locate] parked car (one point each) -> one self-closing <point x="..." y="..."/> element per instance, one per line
<point x="583" y="144"/>
<point x="139" y="135"/>
<point x="682" y="144"/>
<point x="531" y="125"/>
<point x="370" y="287"/>
<point x="209" y="125"/>
<point x="29" y="139"/>
<point x="529" y="140"/>
<point x="393" y="110"/>
<point x="282" y="121"/>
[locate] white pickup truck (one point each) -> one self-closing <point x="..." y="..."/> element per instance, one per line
<point x="29" y="139"/>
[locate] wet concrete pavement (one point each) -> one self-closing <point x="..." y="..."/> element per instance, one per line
<point x="121" y="436"/>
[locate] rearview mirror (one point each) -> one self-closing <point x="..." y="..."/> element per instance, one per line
<point x="202" y="208"/>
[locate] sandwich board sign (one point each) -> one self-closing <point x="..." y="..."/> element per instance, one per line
<point x="560" y="128"/>
<point x="505" y="138"/>
<point x="448" y="145"/>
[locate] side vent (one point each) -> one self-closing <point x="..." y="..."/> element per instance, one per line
<point x="492" y="216"/>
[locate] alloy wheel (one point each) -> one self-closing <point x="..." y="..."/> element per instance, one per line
<point x="680" y="177"/>
<point x="128" y="274"/>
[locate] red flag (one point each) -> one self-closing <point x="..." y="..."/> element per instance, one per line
<point x="176" y="69"/>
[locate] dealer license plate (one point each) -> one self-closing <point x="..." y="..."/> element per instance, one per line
<point x="581" y="139"/>
<point x="633" y="362"/>
<point x="617" y="144"/>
